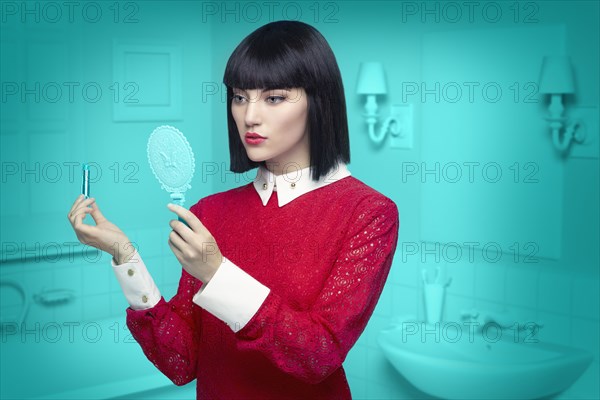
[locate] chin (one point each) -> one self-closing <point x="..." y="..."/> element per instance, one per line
<point x="256" y="158"/>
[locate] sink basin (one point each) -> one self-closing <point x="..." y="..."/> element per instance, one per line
<point x="452" y="361"/>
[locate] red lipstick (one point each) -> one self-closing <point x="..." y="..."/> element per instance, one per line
<point x="254" y="138"/>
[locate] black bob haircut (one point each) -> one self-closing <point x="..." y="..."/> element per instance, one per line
<point x="292" y="54"/>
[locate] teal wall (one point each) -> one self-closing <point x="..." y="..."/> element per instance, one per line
<point x="45" y="137"/>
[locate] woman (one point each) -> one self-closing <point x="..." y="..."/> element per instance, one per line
<point x="281" y="275"/>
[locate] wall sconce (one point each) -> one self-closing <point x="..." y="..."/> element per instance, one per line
<point x="556" y="79"/>
<point x="371" y="82"/>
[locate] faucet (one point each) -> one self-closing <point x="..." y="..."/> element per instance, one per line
<point x="501" y="319"/>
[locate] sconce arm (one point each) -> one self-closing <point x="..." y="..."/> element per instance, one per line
<point x="567" y="137"/>
<point x="390" y="124"/>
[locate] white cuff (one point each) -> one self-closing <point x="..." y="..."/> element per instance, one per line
<point x="137" y="283"/>
<point x="232" y="295"/>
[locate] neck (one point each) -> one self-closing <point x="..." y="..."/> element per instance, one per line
<point x="278" y="169"/>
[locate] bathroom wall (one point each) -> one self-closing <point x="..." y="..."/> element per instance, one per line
<point x="58" y="133"/>
<point x="561" y="292"/>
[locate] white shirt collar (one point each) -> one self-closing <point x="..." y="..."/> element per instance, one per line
<point x="293" y="184"/>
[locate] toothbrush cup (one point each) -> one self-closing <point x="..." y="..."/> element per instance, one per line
<point x="434" y="302"/>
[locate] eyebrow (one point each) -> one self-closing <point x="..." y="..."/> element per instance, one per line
<point x="242" y="90"/>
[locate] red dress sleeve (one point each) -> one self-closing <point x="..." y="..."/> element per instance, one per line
<point x="167" y="332"/>
<point x="311" y="344"/>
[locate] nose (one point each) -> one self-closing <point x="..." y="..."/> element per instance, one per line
<point x="252" y="116"/>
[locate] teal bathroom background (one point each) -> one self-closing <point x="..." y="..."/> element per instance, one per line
<point x="483" y="192"/>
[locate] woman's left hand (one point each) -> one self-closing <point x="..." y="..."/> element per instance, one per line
<point x="194" y="246"/>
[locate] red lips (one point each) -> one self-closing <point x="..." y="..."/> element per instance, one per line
<point x="254" y="135"/>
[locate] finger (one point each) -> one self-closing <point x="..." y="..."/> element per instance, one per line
<point x="79" y="215"/>
<point x="82" y="205"/>
<point x="183" y="230"/>
<point x="175" y="250"/>
<point x="194" y="223"/>
<point x="97" y="214"/>
<point x="176" y="242"/>
<point x="75" y="204"/>
<point x="87" y="230"/>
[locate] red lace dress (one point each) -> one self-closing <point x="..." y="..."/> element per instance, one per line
<point x="325" y="258"/>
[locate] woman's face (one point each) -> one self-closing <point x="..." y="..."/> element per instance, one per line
<point x="280" y="116"/>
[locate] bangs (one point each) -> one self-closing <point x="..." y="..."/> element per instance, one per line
<point x="271" y="60"/>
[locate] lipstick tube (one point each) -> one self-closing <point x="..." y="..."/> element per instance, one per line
<point x="85" y="185"/>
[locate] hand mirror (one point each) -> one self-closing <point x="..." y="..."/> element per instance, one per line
<point x="172" y="162"/>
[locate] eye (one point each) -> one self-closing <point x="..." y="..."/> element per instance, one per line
<point x="281" y="98"/>
<point x="235" y="98"/>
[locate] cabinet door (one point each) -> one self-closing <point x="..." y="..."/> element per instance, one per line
<point x="41" y="125"/>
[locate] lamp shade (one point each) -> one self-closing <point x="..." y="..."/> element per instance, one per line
<point x="371" y="79"/>
<point x="556" y="76"/>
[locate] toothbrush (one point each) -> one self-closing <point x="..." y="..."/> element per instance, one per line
<point x="436" y="280"/>
<point x="442" y="276"/>
<point x="424" y="276"/>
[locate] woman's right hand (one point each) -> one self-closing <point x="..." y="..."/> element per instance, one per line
<point x="105" y="236"/>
